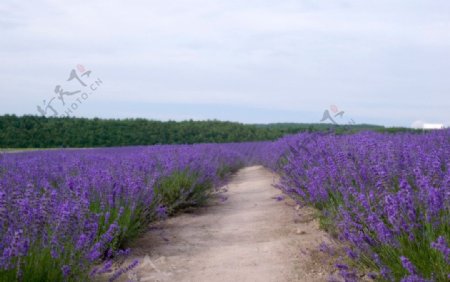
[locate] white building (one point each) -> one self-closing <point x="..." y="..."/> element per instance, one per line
<point x="426" y="126"/>
<point x="433" y="126"/>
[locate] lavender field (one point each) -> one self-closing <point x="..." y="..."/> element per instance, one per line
<point x="385" y="196"/>
<point x="62" y="211"/>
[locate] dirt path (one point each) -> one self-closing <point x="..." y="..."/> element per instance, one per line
<point x="251" y="236"/>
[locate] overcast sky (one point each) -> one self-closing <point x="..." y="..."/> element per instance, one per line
<point x="383" y="61"/>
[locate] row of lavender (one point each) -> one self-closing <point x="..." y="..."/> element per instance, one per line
<point x="387" y="196"/>
<point x="62" y="211"/>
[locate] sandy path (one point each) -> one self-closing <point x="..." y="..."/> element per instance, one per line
<point x="249" y="237"/>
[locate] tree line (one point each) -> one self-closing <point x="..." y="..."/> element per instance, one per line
<point x="41" y="132"/>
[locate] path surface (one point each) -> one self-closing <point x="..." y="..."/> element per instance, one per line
<point x="251" y="236"/>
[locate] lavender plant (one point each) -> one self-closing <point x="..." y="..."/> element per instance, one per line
<point x="63" y="211"/>
<point x="388" y="195"/>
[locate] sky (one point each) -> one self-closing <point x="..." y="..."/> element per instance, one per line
<point x="382" y="62"/>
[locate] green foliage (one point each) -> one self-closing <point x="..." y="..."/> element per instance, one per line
<point x="180" y="190"/>
<point x="42" y="132"/>
<point x="226" y="170"/>
<point x="40" y="266"/>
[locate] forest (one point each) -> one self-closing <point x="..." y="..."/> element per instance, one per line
<point x="42" y="132"/>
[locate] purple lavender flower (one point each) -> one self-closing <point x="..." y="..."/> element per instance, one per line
<point x="441" y="245"/>
<point x="342" y="266"/>
<point x="279" y="198"/>
<point x="408" y="265"/>
<point x="65" y="270"/>
<point x="121" y="271"/>
<point x="161" y="212"/>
